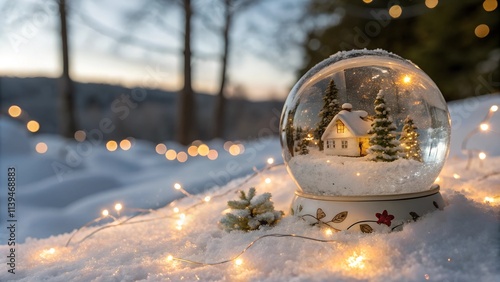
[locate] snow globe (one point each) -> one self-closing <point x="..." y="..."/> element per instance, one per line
<point x="364" y="135"/>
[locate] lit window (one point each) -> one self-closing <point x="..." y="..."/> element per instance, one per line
<point x="344" y="144"/>
<point x="340" y="127"/>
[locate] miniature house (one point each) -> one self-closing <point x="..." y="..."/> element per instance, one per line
<point x="347" y="133"/>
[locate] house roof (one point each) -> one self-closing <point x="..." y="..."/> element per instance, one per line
<point x="356" y="121"/>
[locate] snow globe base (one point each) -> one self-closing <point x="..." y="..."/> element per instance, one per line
<point x="366" y="213"/>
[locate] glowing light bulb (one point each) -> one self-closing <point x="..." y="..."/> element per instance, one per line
<point x="482" y="156"/>
<point x="268" y="180"/>
<point x="328" y="232"/>
<point x="494" y="108"/>
<point x="170" y="258"/>
<point x="356" y="261"/>
<point x="358" y="174"/>
<point x="484" y="126"/>
<point x="456" y="176"/>
<point x="270" y="161"/>
<point x="177" y="186"/>
<point x="407" y="79"/>
<point x="207" y="199"/>
<point x="176" y="209"/>
<point x="238" y="262"/>
<point x="118" y="207"/>
<point x="105" y="213"/>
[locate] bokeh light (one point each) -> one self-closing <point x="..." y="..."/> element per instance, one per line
<point x="182" y="157"/>
<point x="395" y="11"/>
<point x="33" y="126"/>
<point x="161" y="149"/>
<point x="111" y="145"/>
<point x="171" y="155"/>
<point x="41" y="148"/>
<point x="482" y="31"/>
<point x="15" y="111"/>
<point x="203" y="150"/>
<point x="125" y="144"/>
<point x="212" y="154"/>
<point x="80" y="136"/>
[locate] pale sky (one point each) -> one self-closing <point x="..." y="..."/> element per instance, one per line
<point x="30" y="46"/>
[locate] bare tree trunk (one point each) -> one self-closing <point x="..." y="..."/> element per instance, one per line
<point x="219" y="121"/>
<point x="67" y="111"/>
<point x="187" y="109"/>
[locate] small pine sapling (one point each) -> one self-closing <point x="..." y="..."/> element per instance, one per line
<point x="384" y="147"/>
<point x="331" y="107"/>
<point x="250" y="212"/>
<point x="410" y="142"/>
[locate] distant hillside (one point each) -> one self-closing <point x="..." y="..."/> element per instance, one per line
<point x="147" y="114"/>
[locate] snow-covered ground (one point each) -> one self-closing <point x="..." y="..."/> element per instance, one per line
<point x="460" y="243"/>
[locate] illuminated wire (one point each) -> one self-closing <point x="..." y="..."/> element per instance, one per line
<point x="470" y="152"/>
<point x="149" y="211"/>
<point x="276" y="235"/>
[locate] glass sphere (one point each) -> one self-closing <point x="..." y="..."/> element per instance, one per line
<point x="364" y="122"/>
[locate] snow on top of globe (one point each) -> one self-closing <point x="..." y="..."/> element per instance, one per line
<point x="365" y="122"/>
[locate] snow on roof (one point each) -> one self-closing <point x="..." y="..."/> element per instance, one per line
<point x="356" y="122"/>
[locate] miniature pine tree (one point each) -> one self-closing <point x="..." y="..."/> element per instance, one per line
<point x="409" y="141"/>
<point x="250" y="212"/>
<point x="384" y="147"/>
<point x="303" y="150"/>
<point x="331" y="107"/>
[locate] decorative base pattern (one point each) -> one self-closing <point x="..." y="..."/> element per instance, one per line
<point x="366" y="213"/>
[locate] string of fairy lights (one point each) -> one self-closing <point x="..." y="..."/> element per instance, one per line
<point x="197" y="148"/>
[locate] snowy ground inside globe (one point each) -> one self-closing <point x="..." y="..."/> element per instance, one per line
<point x="459" y="243"/>
<point x="320" y="174"/>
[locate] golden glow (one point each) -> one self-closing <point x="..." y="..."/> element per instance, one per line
<point x="437" y="179"/>
<point x="203" y="150"/>
<point x="170" y="258"/>
<point x="489" y="199"/>
<point x="212" y="155"/>
<point x="15" y="111"/>
<point x="367" y="1"/>
<point x="270" y="161"/>
<point x="356" y="261"/>
<point x="490" y="5"/>
<point x="268" y="180"/>
<point x="234" y="150"/>
<point x="177" y="186"/>
<point x="125" y="144"/>
<point x="33" y="126"/>
<point x="207" y="199"/>
<point x="80" y="135"/>
<point x="482" y="156"/>
<point x="406" y="79"/>
<point x="456" y="176"/>
<point x="41" y="148"/>
<point x="47" y="253"/>
<point x="170" y="155"/>
<point x="238" y="262"/>
<point x="161" y="149"/>
<point x="395" y="11"/>
<point x="328" y="232"/>
<point x="431" y="3"/>
<point x="193" y="151"/>
<point x="182" y="157"/>
<point x="482" y="30"/>
<point x="118" y="207"/>
<point x="105" y="213"/>
<point x="494" y="108"/>
<point x="358" y="174"/>
<point x="484" y="126"/>
<point x="176" y="209"/>
<point x="111" y="145"/>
